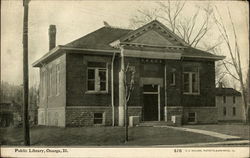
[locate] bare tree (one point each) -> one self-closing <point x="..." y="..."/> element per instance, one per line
<point x="191" y="29"/>
<point x="232" y="64"/>
<point x="129" y="87"/>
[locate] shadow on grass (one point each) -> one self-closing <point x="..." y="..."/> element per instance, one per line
<point x="103" y="136"/>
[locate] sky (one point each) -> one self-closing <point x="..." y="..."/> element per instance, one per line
<point x="75" y="19"/>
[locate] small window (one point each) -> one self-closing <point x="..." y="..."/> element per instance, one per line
<point x="192" y="117"/>
<point x="98" y="118"/>
<point x="224" y="111"/>
<point x="234" y="99"/>
<point x="172" y="79"/>
<point x="234" y="111"/>
<point x="224" y="99"/>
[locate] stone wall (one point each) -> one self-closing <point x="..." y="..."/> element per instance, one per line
<point x="171" y="111"/>
<point x="204" y="115"/>
<point x="77" y="116"/>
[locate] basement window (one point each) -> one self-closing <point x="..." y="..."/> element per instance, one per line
<point x="98" y="118"/>
<point x="97" y="77"/>
<point x="191" y="117"/>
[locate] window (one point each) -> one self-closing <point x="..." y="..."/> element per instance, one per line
<point x="50" y="82"/>
<point x="191" y="80"/>
<point x="97" y="77"/>
<point x="224" y="111"/>
<point x="234" y="111"/>
<point x="234" y="99"/>
<point x="172" y="79"/>
<point x="98" y="118"/>
<point x="224" y="99"/>
<point x="192" y="117"/>
<point x="43" y="83"/>
<point x="57" y="79"/>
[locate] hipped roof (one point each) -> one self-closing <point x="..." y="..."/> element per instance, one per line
<point x="100" y="40"/>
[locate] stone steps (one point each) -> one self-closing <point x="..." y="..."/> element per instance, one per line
<point x="155" y="123"/>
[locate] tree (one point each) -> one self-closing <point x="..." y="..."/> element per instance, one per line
<point x="191" y="29"/>
<point x="232" y="64"/>
<point x="129" y="87"/>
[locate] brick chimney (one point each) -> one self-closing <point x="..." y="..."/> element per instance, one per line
<point x="52" y="36"/>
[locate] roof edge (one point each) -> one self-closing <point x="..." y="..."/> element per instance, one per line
<point x="60" y="47"/>
<point x="52" y="51"/>
<point x="215" y="57"/>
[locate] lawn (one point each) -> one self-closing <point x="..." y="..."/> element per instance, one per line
<point x="240" y="130"/>
<point x="96" y="136"/>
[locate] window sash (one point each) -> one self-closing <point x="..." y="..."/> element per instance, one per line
<point x="191" y="83"/>
<point x="234" y="100"/>
<point x="172" y="80"/>
<point x="100" y="80"/>
<point x="234" y="111"/>
<point x="191" y="117"/>
<point x="224" y="111"/>
<point x="98" y="118"/>
<point x="57" y="79"/>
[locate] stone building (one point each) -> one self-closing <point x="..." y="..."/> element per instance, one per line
<point x="80" y="84"/>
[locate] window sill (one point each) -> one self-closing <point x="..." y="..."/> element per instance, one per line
<point x="95" y="92"/>
<point x="191" y="93"/>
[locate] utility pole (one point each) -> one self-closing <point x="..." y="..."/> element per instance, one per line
<point x="25" y="75"/>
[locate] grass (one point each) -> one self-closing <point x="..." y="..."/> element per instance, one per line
<point x="97" y="136"/>
<point x="241" y="130"/>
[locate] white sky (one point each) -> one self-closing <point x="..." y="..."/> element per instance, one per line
<point x="74" y="19"/>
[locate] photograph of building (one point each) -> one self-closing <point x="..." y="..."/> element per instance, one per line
<point x="229" y="104"/>
<point x="150" y="74"/>
<point x="80" y="80"/>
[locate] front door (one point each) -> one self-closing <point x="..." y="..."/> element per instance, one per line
<point x="150" y="100"/>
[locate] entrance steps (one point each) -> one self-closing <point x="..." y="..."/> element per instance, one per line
<point x="155" y="123"/>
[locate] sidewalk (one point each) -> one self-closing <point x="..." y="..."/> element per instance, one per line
<point x="229" y="143"/>
<point x="209" y="133"/>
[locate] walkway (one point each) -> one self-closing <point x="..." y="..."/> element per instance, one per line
<point x="209" y="133"/>
<point x="224" y="143"/>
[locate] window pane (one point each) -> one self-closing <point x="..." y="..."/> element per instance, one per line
<point x="234" y="111"/>
<point x="194" y="83"/>
<point x="172" y="78"/>
<point x="102" y="86"/>
<point x="91" y="74"/>
<point x="224" y="111"/>
<point x="91" y="85"/>
<point x="186" y="82"/>
<point x="98" y="117"/>
<point x="191" y="117"/>
<point x="224" y="99"/>
<point x="102" y="75"/>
